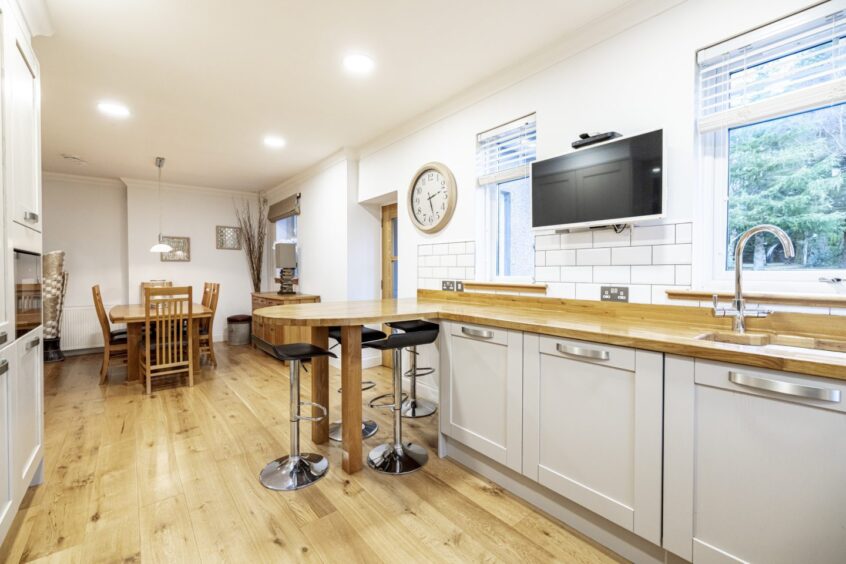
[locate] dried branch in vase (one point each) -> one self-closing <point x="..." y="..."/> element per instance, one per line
<point x="253" y="236"/>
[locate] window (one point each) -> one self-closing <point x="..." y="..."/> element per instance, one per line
<point x="503" y="156"/>
<point x="773" y="123"/>
<point x="286" y="230"/>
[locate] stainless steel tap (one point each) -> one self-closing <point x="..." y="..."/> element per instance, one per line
<point x="738" y="311"/>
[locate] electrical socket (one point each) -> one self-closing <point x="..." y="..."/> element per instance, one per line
<point x="448" y="285"/>
<point x="459" y="286"/>
<point x="614" y="294"/>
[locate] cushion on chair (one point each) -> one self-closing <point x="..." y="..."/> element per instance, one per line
<point x="403" y="340"/>
<point x="292" y="351"/>
<point x="367" y="334"/>
<point x="413" y="325"/>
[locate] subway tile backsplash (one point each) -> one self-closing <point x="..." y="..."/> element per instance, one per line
<point x="445" y="261"/>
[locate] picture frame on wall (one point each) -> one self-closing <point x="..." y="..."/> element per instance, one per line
<point x="228" y="238"/>
<point x="181" y="249"/>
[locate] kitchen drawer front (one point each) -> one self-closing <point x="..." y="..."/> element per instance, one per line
<point x="480" y="333"/>
<point x="824" y="393"/>
<point x="606" y="355"/>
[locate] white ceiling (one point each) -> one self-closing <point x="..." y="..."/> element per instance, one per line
<point x="207" y="79"/>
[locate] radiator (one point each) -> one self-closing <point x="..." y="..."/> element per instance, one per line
<point x="81" y="328"/>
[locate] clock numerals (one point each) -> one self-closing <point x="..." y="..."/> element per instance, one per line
<point x="430" y="199"/>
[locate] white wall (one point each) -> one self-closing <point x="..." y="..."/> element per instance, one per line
<point x="636" y="81"/>
<point x="187" y="212"/>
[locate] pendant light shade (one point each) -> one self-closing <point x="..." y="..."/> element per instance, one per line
<point x="161" y="246"/>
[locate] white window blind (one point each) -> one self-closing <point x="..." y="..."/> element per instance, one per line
<point x="788" y="66"/>
<point x="505" y="152"/>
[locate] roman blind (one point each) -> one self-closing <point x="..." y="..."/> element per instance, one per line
<point x="284" y="208"/>
<point x="788" y="66"/>
<point x="505" y="152"/>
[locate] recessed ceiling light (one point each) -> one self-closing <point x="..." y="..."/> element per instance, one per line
<point x="274" y="141"/>
<point x="113" y="109"/>
<point x="359" y="64"/>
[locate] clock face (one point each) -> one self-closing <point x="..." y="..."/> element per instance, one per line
<point x="430" y="198"/>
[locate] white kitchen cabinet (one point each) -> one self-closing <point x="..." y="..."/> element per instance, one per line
<point x="21" y="126"/>
<point x="8" y="363"/>
<point x="26" y="412"/>
<point x="481" y="390"/>
<point x="755" y="464"/>
<point x="593" y="426"/>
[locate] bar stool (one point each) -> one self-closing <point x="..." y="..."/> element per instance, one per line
<point x="398" y="457"/>
<point x="368" y="426"/>
<point x="414" y="407"/>
<point x="296" y="470"/>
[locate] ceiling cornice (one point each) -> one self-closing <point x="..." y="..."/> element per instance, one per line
<point x="37" y="17"/>
<point x="82" y="179"/>
<point x="282" y="189"/>
<point x="153" y="185"/>
<point x="592" y="33"/>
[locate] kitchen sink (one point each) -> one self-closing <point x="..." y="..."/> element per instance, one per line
<point x="776" y="341"/>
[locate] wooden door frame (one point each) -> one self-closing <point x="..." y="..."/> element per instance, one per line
<point x="389" y="212"/>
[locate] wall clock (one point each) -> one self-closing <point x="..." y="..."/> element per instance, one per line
<point x="432" y="197"/>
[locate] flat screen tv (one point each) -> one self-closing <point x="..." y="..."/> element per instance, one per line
<point x="612" y="183"/>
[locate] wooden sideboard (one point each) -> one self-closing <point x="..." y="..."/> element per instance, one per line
<point x="280" y="334"/>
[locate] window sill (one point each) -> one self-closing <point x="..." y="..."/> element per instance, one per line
<point x="809" y="300"/>
<point x="506" y="287"/>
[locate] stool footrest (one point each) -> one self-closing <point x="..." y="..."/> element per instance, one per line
<point x="420" y="372"/>
<point x="322" y="408"/>
<point x="365" y="385"/>
<point x="373" y="402"/>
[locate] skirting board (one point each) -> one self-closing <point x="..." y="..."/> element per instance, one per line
<point x="615" y="538"/>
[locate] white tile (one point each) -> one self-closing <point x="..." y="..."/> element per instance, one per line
<point x="424" y="250"/>
<point x="659" y="296"/>
<point x="600" y="257"/>
<point x="611" y="274"/>
<point x="544" y="242"/>
<point x="470" y="273"/>
<point x="424" y="272"/>
<point x="671" y="254"/>
<point x="440" y="249"/>
<point x="577" y="274"/>
<point x="654" y="235"/>
<point x="838" y="311"/>
<point x="440" y="272"/>
<point x="683" y="274"/>
<point x="431" y="260"/>
<point x="466" y="260"/>
<point x="457" y="273"/>
<point x="449" y="260"/>
<point x="610" y="238"/>
<point x="684" y="233"/>
<point x="588" y="291"/>
<point x="457" y="248"/>
<point x="577" y="240"/>
<point x="560" y="258"/>
<point x="563" y="290"/>
<point x="547" y="274"/>
<point x="796" y="309"/>
<point x="471" y="247"/>
<point x="640" y="294"/>
<point x="540" y="258"/>
<point x="659" y="274"/>
<point x="631" y="255"/>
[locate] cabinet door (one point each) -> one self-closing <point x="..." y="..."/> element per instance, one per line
<point x="592" y="428"/>
<point x="481" y="391"/>
<point x="26" y="391"/>
<point x="754" y="475"/>
<point x="22" y="155"/>
<point x="8" y="363"/>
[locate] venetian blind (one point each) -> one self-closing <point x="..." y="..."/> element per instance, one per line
<point x="505" y="152"/>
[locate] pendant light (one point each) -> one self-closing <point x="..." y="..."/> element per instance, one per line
<point x="161" y="246"/>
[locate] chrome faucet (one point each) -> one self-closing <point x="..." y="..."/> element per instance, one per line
<point x="738" y="311"/>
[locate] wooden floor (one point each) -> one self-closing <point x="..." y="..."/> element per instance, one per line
<point x="173" y="478"/>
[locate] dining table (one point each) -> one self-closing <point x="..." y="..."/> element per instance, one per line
<point x="134" y="316"/>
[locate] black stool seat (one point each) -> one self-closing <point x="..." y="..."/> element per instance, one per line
<point x="403" y="340"/>
<point x="367" y="334"/>
<point x="292" y="351"/>
<point x="413" y="325"/>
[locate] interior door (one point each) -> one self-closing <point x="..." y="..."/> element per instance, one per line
<point x="390" y="263"/>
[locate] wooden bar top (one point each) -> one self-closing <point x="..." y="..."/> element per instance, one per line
<point x="668" y="329"/>
<point x="277" y="297"/>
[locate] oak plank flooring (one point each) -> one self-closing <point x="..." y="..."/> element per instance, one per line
<point x="173" y="477"/>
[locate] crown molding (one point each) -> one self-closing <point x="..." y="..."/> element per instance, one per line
<point x="82" y="179"/>
<point x="290" y="184"/>
<point x="37" y="17"/>
<point x="592" y="33"/>
<point x="169" y="187"/>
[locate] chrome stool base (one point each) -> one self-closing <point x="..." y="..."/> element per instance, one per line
<point x="368" y="429"/>
<point x="291" y="473"/>
<point x="387" y="459"/>
<point x="414" y="408"/>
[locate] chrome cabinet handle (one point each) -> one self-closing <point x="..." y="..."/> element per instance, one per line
<point x="786" y="388"/>
<point x="4" y="366"/>
<point x="3" y="337"/>
<point x="593" y="354"/>
<point x="33" y="343"/>
<point x="478" y="333"/>
<point x="32" y="217"/>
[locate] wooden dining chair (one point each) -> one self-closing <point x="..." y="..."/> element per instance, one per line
<point x="168" y="347"/>
<point x="211" y="293"/>
<point x="114" y="341"/>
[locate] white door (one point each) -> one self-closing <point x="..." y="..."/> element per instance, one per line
<point x="481" y="390"/>
<point x="751" y="474"/>
<point x="592" y="428"/>
<point x="23" y="174"/>
<point x="26" y="390"/>
<point x="8" y="362"/>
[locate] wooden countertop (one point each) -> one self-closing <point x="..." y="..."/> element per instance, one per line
<point x="668" y="329"/>
<point x="276" y="296"/>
